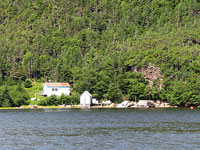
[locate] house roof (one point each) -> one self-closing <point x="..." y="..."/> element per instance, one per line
<point x="57" y="84"/>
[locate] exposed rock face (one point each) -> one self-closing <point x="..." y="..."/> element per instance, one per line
<point x="151" y="73"/>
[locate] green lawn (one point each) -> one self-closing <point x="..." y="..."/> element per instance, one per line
<point x="36" y="89"/>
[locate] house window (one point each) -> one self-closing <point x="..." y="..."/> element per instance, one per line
<point x="54" y="89"/>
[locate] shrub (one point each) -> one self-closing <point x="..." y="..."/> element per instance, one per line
<point x="42" y="102"/>
<point x="7" y="101"/>
<point x="75" y="98"/>
<point x="19" y="95"/>
<point x="64" y="99"/>
<point x="52" y="100"/>
<point x="28" y="83"/>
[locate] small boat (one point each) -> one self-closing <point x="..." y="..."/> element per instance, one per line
<point x="124" y="104"/>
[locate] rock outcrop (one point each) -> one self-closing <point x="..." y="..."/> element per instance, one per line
<point x="151" y="73"/>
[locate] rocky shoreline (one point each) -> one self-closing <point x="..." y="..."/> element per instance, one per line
<point x="76" y="106"/>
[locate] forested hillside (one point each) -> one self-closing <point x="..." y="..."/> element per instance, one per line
<point x="115" y="49"/>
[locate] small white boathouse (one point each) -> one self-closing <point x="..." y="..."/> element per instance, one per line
<point x="86" y="99"/>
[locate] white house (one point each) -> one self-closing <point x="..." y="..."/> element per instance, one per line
<point x="86" y="99"/>
<point x="56" y="89"/>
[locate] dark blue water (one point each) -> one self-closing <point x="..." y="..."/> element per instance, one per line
<point x="100" y="129"/>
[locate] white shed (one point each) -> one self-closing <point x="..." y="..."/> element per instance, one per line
<point x="86" y="99"/>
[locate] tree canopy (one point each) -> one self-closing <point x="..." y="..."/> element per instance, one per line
<point x="105" y="47"/>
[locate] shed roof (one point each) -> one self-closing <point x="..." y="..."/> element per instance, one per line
<point x="86" y="92"/>
<point x="56" y="84"/>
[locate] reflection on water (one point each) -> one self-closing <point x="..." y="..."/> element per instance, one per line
<point x="100" y="129"/>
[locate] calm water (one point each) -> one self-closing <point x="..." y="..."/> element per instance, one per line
<point x="100" y="129"/>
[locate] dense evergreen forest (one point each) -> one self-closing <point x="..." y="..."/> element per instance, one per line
<point x="115" y="49"/>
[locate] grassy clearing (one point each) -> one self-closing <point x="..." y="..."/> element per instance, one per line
<point x="35" y="91"/>
<point x="2" y="108"/>
<point x="39" y="107"/>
